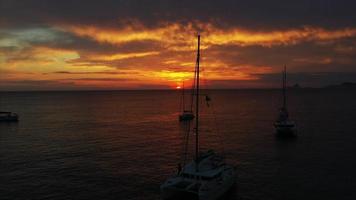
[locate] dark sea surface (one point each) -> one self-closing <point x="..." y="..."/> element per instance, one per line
<point x="124" y="144"/>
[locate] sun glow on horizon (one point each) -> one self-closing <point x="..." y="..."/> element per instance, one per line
<point x="163" y="56"/>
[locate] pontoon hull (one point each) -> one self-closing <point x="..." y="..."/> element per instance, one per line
<point x="285" y="130"/>
<point x="217" y="191"/>
<point x="174" y="194"/>
<point x="220" y="191"/>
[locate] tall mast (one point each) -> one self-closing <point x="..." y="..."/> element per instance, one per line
<point x="284" y="87"/>
<point x="183" y="97"/>
<point x="192" y="89"/>
<point x="197" y="107"/>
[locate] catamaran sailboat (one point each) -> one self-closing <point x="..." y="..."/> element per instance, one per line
<point x="186" y="115"/>
<point x="284" y="126"/>
<point x="207" y="176"/>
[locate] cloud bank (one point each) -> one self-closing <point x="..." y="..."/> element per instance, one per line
<point x="128" y="44"/>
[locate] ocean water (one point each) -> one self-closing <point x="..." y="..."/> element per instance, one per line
<point x="124" y="144"/>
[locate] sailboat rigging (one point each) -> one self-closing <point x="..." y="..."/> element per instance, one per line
<point x="186" y="115"/>
<point x="207" y="176"/>
<point x="284" y="126"/>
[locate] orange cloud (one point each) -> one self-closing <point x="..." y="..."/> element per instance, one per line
<point x="169" y="65"/>
<point x="126" y="56"/>
<point x="178" y="37"/>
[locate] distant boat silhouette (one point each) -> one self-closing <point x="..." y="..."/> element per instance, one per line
<point x="283" y="125"/>
<point x="8" y="117"/>
<point x="345" y="85"/>
<point x="186" y="115"/>
<point x="207" y="177"/>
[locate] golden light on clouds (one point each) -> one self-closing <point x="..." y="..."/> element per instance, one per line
<point x="179" y="37"/>
<point x="40" y="59"/>
<point x="168" y="63"/>
<point x="126" y="55"/>
<point x="173" y="76"/>
<point x="293" y="36"/>
<point x="115" y="36"/>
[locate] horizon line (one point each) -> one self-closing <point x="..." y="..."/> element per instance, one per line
<point x="168" y="89"/>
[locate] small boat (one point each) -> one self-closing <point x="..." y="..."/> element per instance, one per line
<point x="207" y="176"/>
<point x="8" y="117"/>
<point x="186" y="115"/>
<point x="283" y="125"/>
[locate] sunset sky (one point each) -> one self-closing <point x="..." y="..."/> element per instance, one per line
<point x="150" y="44"/>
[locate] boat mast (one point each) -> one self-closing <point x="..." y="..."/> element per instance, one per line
<point x="284" y="87"/>
<point x="197" y="108"/>
<point x="183" y="98"/>
<point x="192" y="90"/>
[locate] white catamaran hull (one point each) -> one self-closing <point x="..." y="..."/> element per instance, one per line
<point x="175" y="194"/>
<point x="210" y="190"/>
<point x="285" y="129"/>
<point x="219" y="191"/>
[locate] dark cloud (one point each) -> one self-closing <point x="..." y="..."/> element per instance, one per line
<point x="337" y="55"/>
<point x="311" y="79"/>
<point x="151" y="87"/>
<point x="146" y="62"/>
<point x="99" y="79"/>
<point x="27" y="85"/>
<point x="8" y="49"/>
<point x="60" y="84"/>
<point x="85" y="45"/>
<point x="60" y="39"/>
<point x="251" y="14"/>
<point x="87" y="48"/>
<point x="274" y="80"/>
